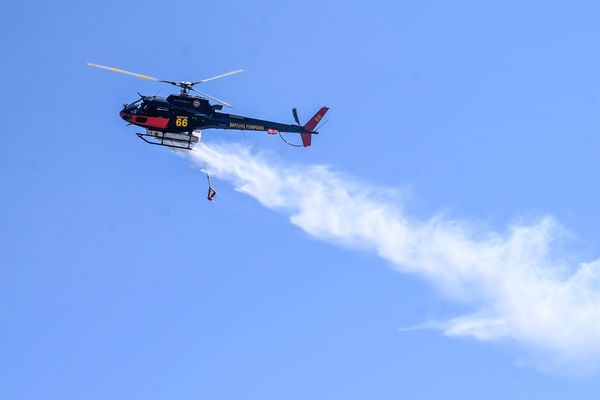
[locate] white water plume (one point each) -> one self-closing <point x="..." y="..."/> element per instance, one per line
<point x="522" y="291"/>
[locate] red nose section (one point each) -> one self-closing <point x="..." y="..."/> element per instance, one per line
<point x="125" y="116"/>
<point x="145" y="121"/>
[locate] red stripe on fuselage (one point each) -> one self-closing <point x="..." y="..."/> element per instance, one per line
<point x="150" y="122"/>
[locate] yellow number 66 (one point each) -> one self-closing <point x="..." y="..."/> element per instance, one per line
<point x="183" y="122"/>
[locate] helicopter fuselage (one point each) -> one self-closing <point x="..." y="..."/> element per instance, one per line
<point x="179" y="114"/>
<point x="176" y="120"/>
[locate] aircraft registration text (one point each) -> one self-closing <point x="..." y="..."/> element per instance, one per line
<point x="238" y="125"/>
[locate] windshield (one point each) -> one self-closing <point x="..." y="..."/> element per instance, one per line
<point x="134" y="108"/>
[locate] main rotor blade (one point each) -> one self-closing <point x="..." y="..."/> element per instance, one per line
<point x="126" y="72"/>
<point x="213" y="98"/>
<point x="235" y="71"/>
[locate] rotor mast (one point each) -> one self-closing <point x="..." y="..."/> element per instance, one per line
<point x="185" y="87"/>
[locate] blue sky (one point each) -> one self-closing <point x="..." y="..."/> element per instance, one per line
<point x="118" y="278"/>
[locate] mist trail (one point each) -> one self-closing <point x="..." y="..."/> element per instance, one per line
<point x="521" y="290"/>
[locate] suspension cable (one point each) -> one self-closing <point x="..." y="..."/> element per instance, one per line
<point x="288" y="143"/>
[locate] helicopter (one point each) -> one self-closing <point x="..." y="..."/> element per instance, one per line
<point x="177" y="120"/>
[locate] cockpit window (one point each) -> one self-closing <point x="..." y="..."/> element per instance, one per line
<point x="135" y="108"/>
<point x="142" y="108"/>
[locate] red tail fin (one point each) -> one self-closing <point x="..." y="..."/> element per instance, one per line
<point x="311" y="125"/>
